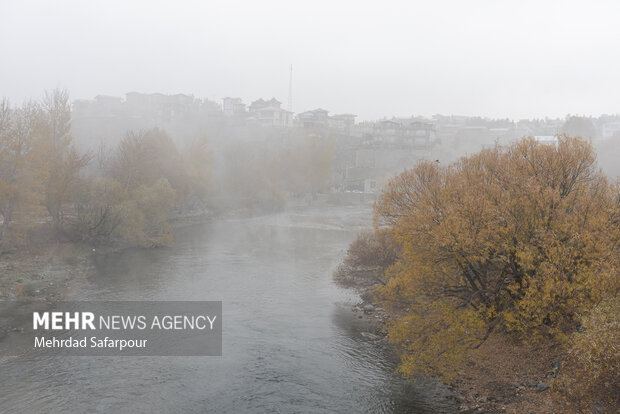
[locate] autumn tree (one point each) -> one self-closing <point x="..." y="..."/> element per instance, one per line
<point x="99" y="210"/>
<point x="135" y="161"/>
<point x="63" y="162"/>
<point x="197" y="160"/>
<point x="578" y="126"/>
<point x="319" y="160"/>
<point x="21" y="174"/>
<point x="523" y="237"/>
<point x="127" y="196"/>
<point x="135" y="193"/>
<point x="306" y="165"/>
<point x="367" y="259"/>
<point x="252" y="179"/>
<point x="144" y="215"/>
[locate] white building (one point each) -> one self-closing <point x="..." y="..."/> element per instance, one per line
<point x="546" y="139"/>
<point x="610" y="129"/>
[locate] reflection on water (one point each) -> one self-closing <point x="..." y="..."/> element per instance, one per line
<point x="291" y="344"/>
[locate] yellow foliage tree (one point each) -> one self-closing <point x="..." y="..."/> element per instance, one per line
<point x="524" y="237"/>
<point x="20" y="170"/>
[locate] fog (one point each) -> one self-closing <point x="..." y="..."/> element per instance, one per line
<point x="371" y="193"/>
<point x="526" y="59"/>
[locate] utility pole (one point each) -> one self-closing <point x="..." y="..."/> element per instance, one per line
<point x="290" y="90"/>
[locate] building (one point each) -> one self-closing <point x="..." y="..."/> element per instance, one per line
<point x="342" y="122"/>
<point x="546" y="139"/>
<point x="610" y="129"/>
<point x="398" y="133"/>
<point x="261" y="103"/>
<point x="233" y="106"/>
<point x="418" y="135"/>
<point x="160" y="107"/>
<point x="317" y="118"/>
<point x="100" y="106"/>
<point x="270" y="114"/>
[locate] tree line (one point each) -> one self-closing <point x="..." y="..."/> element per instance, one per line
<point x="124" y="194"/>
<point x="128" y="193"/>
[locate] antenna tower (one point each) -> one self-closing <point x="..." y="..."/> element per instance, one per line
<point x="290" y="89"/>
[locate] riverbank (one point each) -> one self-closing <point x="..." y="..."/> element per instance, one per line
<point x="502" y="376"/>
<point x="48" y="269"/>
<point x="44" y="272"/>
<point x="508" y="376"/>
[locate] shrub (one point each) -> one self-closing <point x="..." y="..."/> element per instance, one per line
<point x="367" y="259"/>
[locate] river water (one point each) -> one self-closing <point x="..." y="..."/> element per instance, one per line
<point x="291" y="343"/>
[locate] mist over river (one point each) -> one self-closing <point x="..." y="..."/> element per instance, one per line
<point x="291" y="343"/>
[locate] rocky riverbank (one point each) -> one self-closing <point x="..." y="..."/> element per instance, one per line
<point x="502" y="376"/>
<point x="46" y="272"/>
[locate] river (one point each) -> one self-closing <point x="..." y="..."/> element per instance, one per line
<point x="291" y="343"/>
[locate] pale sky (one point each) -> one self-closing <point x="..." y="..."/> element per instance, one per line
<point x="492" y="58"/>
